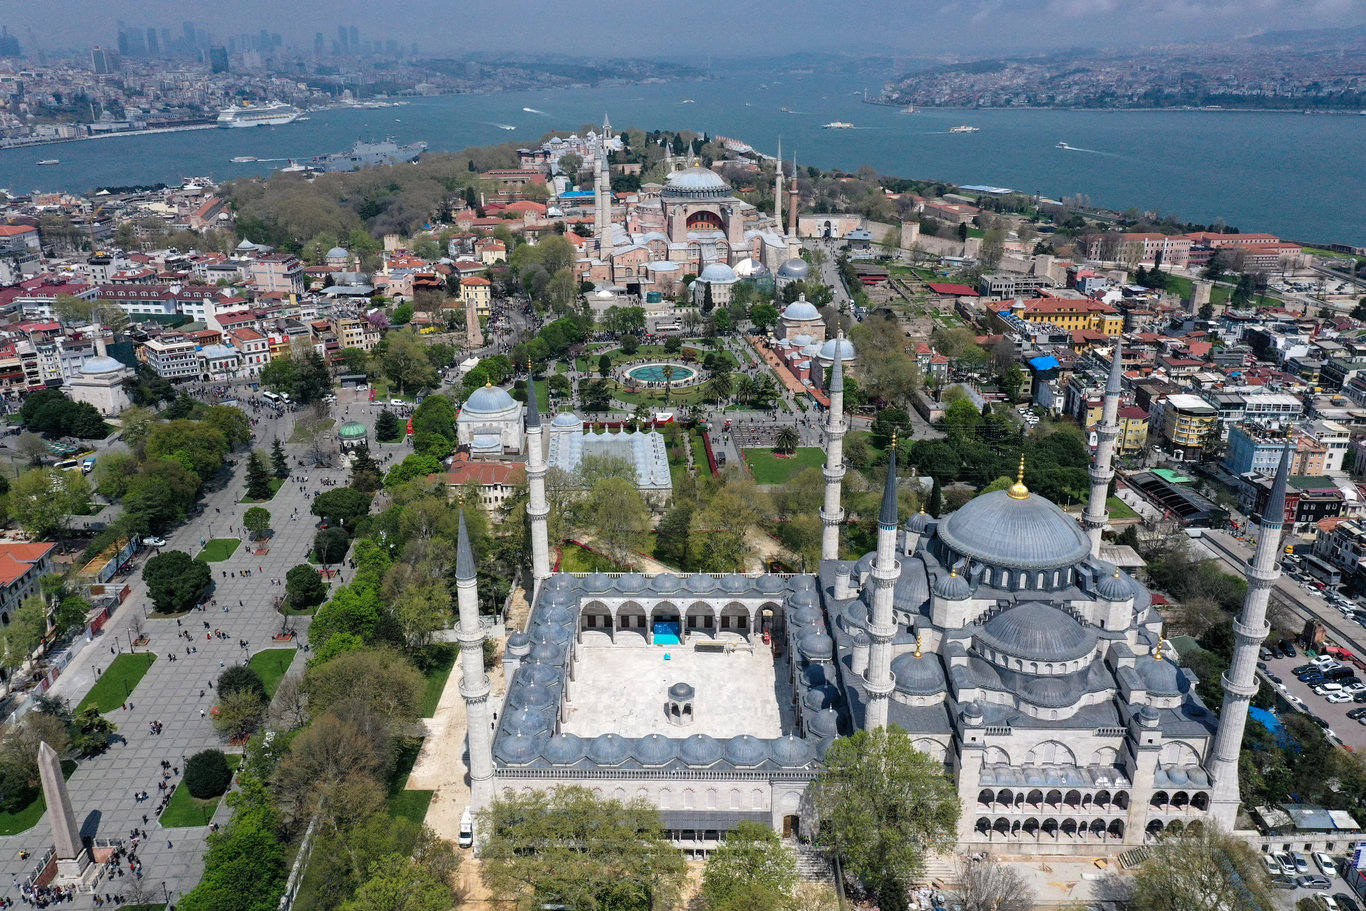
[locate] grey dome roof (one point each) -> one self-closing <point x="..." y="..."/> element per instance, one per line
<point x="681" y="690"/>
<point x="790" y="751"/>
<point x="609" y="749"/>
<point x="700" y="582"/>
<point x="546" y="653"/>
<point x="567" y="419"/>
<point x="337" y="253"/>
<point x="525" y="721"/>
<point x="953" y="587"/>
<point x="805" y="614"/>
<point x="654" y="749"/>
<point x="531" y="695"/>
<point x="1114" y="586"/>
<point x="695" y="183"/>
<point x="558" y="582"/>
<point x="770" y="584"/>
<point x="817" y="675"/>
<point x="825" y="723"/>
<point x="631" y="582"/>
<point x="98" y="365"/>
<point x="801" y="310"/>
<point x="1162" y="677"/>
<point x="519" y="643"/>
<point x="1026" y="533"/>
<point x="921" y="676"/>
<point x="563" y="749"/>
<point x="1039" y="632"/>
<point x="488" y="400"/>
<point x="699" y="750"/>
<point x="518" y="749"/>
<point x="665" y="582"/>
<point x="539" y="674"/>
<point x="734" y="583"/>
<point x="919" y="522"/>
<point x="848" y="352"/>
<point x="912" y="588"/>
<point x="745" y="750"/>
<point x="1052" y="692"/>
<point x="821" y="697"/>
<point x="597" y="582"/>
<point x="796" y="268"/>
<point x="718" y="272"/>
<point x="816" y="645"/>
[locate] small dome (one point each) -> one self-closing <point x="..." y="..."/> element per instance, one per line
<point x="654" y="749"/>
<point x="563" y="749"/>
<point x="337" y="253"/>
<point x="795" y="268"/>
<point x="817" y="675"/>
<point x="750" y="268"/>
<point x="699" y="750"/>
<point x="664" y="583"/>
<point x="805" y="615"/>
<point x="801" y="309"/>
<point x="790" y="751"/>
<point x="821" y="697"/>
<point x="98" y="365"/>
<point x="681" y="691"/>
<point x="771" y="585"/>
<point x="953" y="587"/>
<point x="816" y="646"/>
<point x="825" y="723"/>
<point x="547" y="653"/>
<point x="1039" y="632"/>
<point x="920" y="522"/>
<point x="1162" y="677"/>
<point x="848" y="354"/>
<point x="597" y="582"/>
<point x="1114" y="586"/>
<point x="352" y="430"/>
<point x="518" y="749"/>
<point x="700" y="582"/>
<point x="734" y="583"/>
<point x="745" y="750"/>
<point x="531" y="696"/>
<point x="518" y="644"/>
<point x="719" y="273"/>
<point x="609" y="749"/>
<point x="524" y="721"/>
<point x="540" y="674"/>
<point x="923" y="676"/>
<point x="488" y="400"/>
<point x="632" y="582"/>
<point x="972" y="711"/>
<point x="559" y="582"/>
<point x="567" y="419"/>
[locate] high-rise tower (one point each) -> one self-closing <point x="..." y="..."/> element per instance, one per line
<point x="879" y="682"/>
<point x="474" y="683"/>
<point x="1249" y="631"/>
<point x="1102" y="471"/>
<point x="832" y="513"/>
<point x="536" y="508"/>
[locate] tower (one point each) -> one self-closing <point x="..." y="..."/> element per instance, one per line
<point x="879" y="682"/>
<point x="602" y="193"/>
<point x="832" y="514"/>
<point x="1249" y="630"/>
<point x="778" y="187"/>
<point x="474" y="683"/>
<point x="1102" y="470"/>
<point x="792" y="191"/>
<point x="536" y="508"/>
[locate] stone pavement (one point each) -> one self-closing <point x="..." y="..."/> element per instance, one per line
<point x="102" y="788"/>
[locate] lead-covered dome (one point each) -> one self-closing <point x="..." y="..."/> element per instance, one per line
<point x="1037" y="632"/>
<point x="719" y="273"/>
<point x="695" y="183"/>
<point x="848" y="354"/>
<point x="923" y="676"/>
<point x="1016" y="531"/>
<point x="700" y="750"/>
<point x="98" y="365"/>
<point x="801" y="309"/>
<point x="795" y="268"/>
<point x="488" y="400"/>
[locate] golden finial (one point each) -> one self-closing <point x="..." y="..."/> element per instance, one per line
<point x="919" y="642"/>
<point x="954" y="572"/>
<point x="1157" y="652"/>
<point x="894" y="438"/>
<point x="1018" y="490"/>
<point x="922" y="507"/>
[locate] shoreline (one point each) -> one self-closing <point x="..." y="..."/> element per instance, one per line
<point x="1298" y="112"/>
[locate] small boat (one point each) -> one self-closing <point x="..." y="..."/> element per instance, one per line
<point x="687" y="101"/>
<point x="533" y="111"/>
<point x="787" y="110"/>
<point x="964" y="128"/>
<point x="242" y="159"/>
<point x="910" y="109"/>
<point x="49" y="161"/>
<point x="838" y="125"/>
<point x="1062" y="145"/>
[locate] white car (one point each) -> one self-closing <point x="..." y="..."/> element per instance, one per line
<point x="397" y="402"/>
<point x="1325" y="864"/>
<point x="1323" y="689"/>
<point x="1339" y="697"/>
<point x="154" y="541"/>
<point x="1327" y="901"/>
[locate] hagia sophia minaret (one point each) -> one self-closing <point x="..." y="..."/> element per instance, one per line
<point x="792" y="200"/>
<point x="602" y="193"/>
<point x="1249" y="631"/>
<point x="832" y="513"/>
<point x="537" y="509"/>
<point x="474" y="683"/>
<point x="778" y="187"/>
<point x="1102" y="469"/>
<point x="879" y="681"/>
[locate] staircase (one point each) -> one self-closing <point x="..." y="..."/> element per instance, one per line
<point x="1133" y="857"/>
<point x="939" y="868"/>
<point x="813" y="864"/>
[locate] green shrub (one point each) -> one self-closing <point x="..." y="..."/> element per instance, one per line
<point x="207" y="774"/>
<point x="239" y="678"/>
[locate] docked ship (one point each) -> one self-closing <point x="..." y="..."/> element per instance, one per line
<point x="838" y="125"/>
<point x="267" y="115"/>
<point x="369" y="154"/>
<point x="964" y="128"/>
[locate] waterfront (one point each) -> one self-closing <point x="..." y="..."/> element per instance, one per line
<point x="1290" y="174"/>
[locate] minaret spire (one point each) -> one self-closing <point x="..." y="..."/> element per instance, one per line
<point x="792" y="199"/>
<point x="1249" y="630"/>
<point x="537" y="509"/>
<point x="602" y="195"/>
<point x="474" y="683"/>
<point x="778" y="187"/>
<point x="832" y="513"/>
<point x="1102" y="470"/>
<point x="879" y="681"/>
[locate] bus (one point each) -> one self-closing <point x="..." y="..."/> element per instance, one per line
<point x="270" y="397"/>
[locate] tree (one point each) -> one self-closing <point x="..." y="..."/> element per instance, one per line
<point x="25" y="632"/>
<point x="604" y="365"/>
<point x="207" y="774"/>
<point x="330" y="544"/>
<point x="43" y="500"/>
<point x="617" y="516"/>
<point x="886" y="805"/>
<point x="630" y="344"/>
<point x="984" y="884"/>
<point x="1202" y="869"/>
<point x="241" y="678"/>
<point x="387" y="428"/>
<point x="176" y="582"/>
<point x="239" y="714"/>
<point x="198" y="448"/>
<point x="992" y="249"/>
<point x="570" y="848"/>
<point x="405" y="361"/>
<point x="90" y="732"/>
<point x="304" y="588"/>
<point x="764" y="316"/>
<point x="341" y="506"/>
<point x="257" y="521"/>
<point x="31" y="446"/>
<point x="399" y="883"/>
<point x="382" y="681"/>
<point x="19" y="777"/>
<point x="258" y="478"/>
<point x="787" y="440"/>
<point x="672" y="537"/>
<point x="279" y="464"/>
<point x="752" y="869"/>
<point x="936" y="504"/>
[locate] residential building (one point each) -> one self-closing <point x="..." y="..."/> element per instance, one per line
<point x="277" y="272"/>
<point x="1071" y="314"/>
<point x="253" y="348"/>
<point x="21" y="566"/>
<point x="478" y="291"/>
<point x="173" y="357"/>
<point x="1133" y="430"/>
<point x="1184" y="422"/>
<point x="355" y="333"/>
<point x="497" y="481"/>
<point x="1012" y="284"/>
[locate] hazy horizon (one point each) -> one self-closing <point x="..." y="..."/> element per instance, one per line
<point x="613" y="28"/>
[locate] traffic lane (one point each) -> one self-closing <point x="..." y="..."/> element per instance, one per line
<point x="1350" y="732"/>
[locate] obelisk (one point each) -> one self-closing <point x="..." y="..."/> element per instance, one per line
<point x="72" y="859"/>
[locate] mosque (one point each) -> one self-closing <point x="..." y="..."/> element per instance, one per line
<point x="997" y="637"/>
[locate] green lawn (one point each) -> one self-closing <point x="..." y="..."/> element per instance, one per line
<point x="405" y="804"/>
<point x="117" y="682"/>
<point x="1119" y="509"/>
<point x="300" y="437"/>
<point x="443" y="659"/>
<point x="271" y="664"/>
<point x="699" y="453"/>
<point x="275" y="485"/>
<point x="14" y="823"/>
<point x="769" y="468"/>
<point x="183" y="811"/>
<point x="576" y="559"/>
<point x="218" y="550"/>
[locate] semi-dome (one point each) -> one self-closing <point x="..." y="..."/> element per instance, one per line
<point x="912" y="588"/>
<point x="790" y="751"/>
<point x="563" y="749"/>
<point x="848" y="353"/>
<point x="795" y="268"/>
<point x="488" y="400"/>
<point x="98" y="365"/>
<point x="609" y="749"/>
<point x="801" y="309"/>
<point x="695" y="183"/>
<point x="654" y="749"/>
<point x="923" y="676"/>
<point x="1017" y="530"/>
<point x="699" y="750"/>
<point x="1038" y="632"/>
<point x="745" y="750"/>
<point x="663" y="267"/>
<point x="1048" y="692"/>
<point x="352" y="430"/>
<point x="718" y="272"/>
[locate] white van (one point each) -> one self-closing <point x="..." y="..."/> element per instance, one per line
<point x="466" y="837"/>
<point x="68" y="465"/>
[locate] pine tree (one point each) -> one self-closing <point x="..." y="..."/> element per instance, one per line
<point x="707" y="303"/>
<point x="279" y="464"/>
<point x="386" y="427"/>
<point x="258" y="478"/>
<point x="936" y="504"/>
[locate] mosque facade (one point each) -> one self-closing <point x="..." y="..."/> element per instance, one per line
<point x="997" y="637"/>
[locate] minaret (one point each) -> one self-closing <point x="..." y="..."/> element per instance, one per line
<point x="474" y="683"/>
<point x="602" y="190"/>
<point x="832" y="514"/>
<point x="792" y="200"/>
<point x="536" y="508"/>
<point x="778" y="187"/>
<point x="878" y="682"/>
<point x="1102" y="471"/>
<point x="1249" y="630"/>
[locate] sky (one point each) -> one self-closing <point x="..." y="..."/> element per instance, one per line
<point x="692" y="27"/>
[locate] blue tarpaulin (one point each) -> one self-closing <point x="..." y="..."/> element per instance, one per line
<point x="666" y="633"/>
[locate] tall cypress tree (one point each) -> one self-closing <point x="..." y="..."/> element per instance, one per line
<point x="278" y="462"/>
<point x="258" y="478"/>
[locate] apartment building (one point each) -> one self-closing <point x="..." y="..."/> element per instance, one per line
<point x="173" y="357"/>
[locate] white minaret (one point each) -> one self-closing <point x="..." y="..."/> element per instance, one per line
<point x="1102" y="471"/>
<point x="832" y="514"/>
<point x="778" y="188"/>
<point x="1249" y="631"/>
<point x="536" y="508"/>
<point x="602" y="191"/>
<point x="879" y="682"/>
<point x="474" y="683"/>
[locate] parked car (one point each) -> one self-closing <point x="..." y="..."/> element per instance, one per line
<point x="1265" y="654"/>
<point x="1283" y="882"/>
<point x="1346" y="902"/>
<point x="1327" y="901"/>
<point x="1354" y="714"/>
<point x="1303" y="668"/>
<point x="1335" y="698"/>
<point x="1323" y="689"/>
<point x="1272" y="867"/>
<point x="1313" y="882"/>
<point x="154" y="541"/>
<point x="1324" y="861"/>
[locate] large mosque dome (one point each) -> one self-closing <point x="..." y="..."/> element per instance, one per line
<point x="488" y="400"/>
<point x="99" y="365"/>
<point x="719" y="273"/>
<point x="801" y="309"/>
<point x="1015" y="529"/>
<point x="695" y="183"/>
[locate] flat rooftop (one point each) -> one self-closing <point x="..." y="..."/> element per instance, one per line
<point x="623" y="689"/>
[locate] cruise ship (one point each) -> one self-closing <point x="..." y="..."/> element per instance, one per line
<point x="368" y="154"/>
<point x="266" y="115"/>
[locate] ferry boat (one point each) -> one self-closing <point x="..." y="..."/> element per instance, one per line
<point x="964" y="128"/>
<point x="242" y="159"/>
<point x="50" y="161"/>
<point x="838" y="125"/>
<point x="267" y="115"/>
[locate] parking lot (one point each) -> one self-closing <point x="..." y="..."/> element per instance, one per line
<point x="1350" y="732"/>
<point x="1312" y="875"/>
